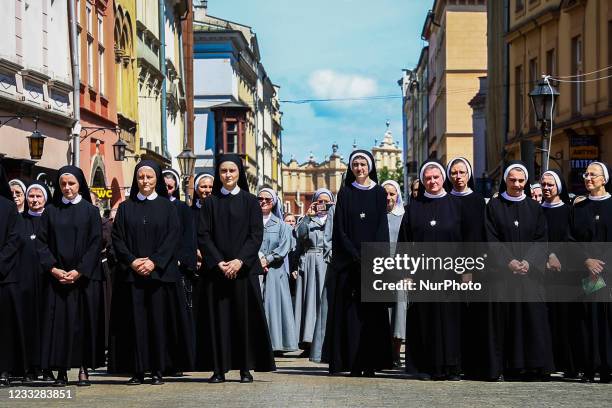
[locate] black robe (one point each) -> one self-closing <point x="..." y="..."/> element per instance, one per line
<point x="433" y="329"/>
<point x="566" y="319"/>
<point x="187" y="250"/>
<point x="358" y="335"/>
<point x="232" y="333"/>
<point x="13" y="350"/>
<point x="73" y="320"/>
<point x="151" y="327"/>
<point x="524" y="335"/>
<point x="32" y="281"/>
<point x="591" y="221"/>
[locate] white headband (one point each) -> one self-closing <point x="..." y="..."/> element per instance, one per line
<point x="435" y="164"/>
<point x="459" y="159"/>
<point x="605" y="170"/>
<point x="145" y="167"/>
<point x="557" y="180"/>
<point x="363" y="156"/>
<point x="38" y="186"/>
<point x="170" y="172"/>
<point x="202" y="176"/>
<point x="516" y="166"/>
<point x="535" y="185"/>
<point x="19" y="183"/>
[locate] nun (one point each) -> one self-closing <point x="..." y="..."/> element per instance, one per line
<point x="560" y="279"/>
<point x="33" y="278"/>
<point x="514" y="221"/>
<point x="474" y="333"/>
<point x="69" y="244"/>
<point x="187" y="251"/>
<point x="395" y="213"/>
<point x="13" y="358"/>
<point x="536" y="192"/>
<point x="202" y="189"/>
<point x="358" y="334"/>
<point x="312" y="270"/>
<point x="275" y="247"/>
<point x="18" y="189"/>
<point x="591" y="221"/>
<point x="433" y="336"/>
<point x="151" y="328"/>
<point x="232" y="333"/>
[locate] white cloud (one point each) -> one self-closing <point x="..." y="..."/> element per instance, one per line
<point x="326" y="84"/>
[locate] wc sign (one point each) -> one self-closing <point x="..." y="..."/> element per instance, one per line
<point x="102" y="193"/>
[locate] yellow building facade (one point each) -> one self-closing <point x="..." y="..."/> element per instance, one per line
<point x="569" y="40"/>
<point x="457" y="35"/>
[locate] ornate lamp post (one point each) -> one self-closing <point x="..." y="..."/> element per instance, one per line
<point x="544" y="101"/>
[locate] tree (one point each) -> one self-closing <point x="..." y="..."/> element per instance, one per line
<point x="396" y="174"/>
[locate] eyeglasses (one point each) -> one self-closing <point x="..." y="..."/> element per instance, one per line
<point x="264" y="200"/>
<point x="588" y="175"/>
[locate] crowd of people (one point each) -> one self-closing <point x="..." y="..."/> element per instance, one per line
<point x="230" y="282"/>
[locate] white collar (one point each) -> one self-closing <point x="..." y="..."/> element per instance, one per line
<point x="198" y="203"/>
<point x="76" y="200"/>
<point x="322" y="218"/>
<point x="362" y="187"/>
<point x="440" y="195"/>
<point x="464" y="193"/>
<point x="172" y="198"/>
<point x="599" y="198"/>
<point x="546" y="204"/>
<point x="397" y="210"/>
<point x="36" y="214"/>
<point x="511" y="198"/>
<point x="225" y="191"/>
<point x="266" y="218"/>
<point x="150" y="197"/>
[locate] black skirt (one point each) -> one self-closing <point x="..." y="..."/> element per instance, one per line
<point x="13" y="343"/>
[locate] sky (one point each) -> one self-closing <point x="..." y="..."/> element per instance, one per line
<point x="322" y="49"/>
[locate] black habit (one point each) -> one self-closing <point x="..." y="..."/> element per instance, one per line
<point x="232" y="333"/>
<point x="151" y="327"/>
<point x="358" y="336"/>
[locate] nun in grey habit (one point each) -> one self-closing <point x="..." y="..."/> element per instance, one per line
<point x="395" y="213"/>
<point x="276" y="294"/>
<point x="312" y="270"/>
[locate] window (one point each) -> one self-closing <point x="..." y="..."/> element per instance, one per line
<point x="90" y="73"/>
<point x="100" y="30"/>
<point x="533" y="80"/>
<point x="101" y="70"/>
<point x="551" y="62"/>
<point x="518" y="99"/>
<point x="89" y="18"/>
<point x="232" y="137"/>
<point x="577" y="69"/>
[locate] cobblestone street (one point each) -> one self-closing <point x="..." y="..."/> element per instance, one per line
<point x="300" y="383"/>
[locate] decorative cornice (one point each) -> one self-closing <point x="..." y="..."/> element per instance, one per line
<point x="9" y="65"/>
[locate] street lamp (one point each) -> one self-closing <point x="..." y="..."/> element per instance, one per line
<point x="544" y="101"/>
<point x="187" y="161"/>
<point x="119" y="149"/>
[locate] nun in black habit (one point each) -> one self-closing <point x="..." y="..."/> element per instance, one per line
<point x="358" y="337"/>
<point x="433" y="336"/>
<point x="151" y="328"/>
<point x="515" y="219"/>
<point x="591" y="221"/>
<point x="33" y="278"/>
<point x="232" y="332"/>
<point x="562" y="281"/>
<point x="13" y="358"/>
<point x="69" y="244"/>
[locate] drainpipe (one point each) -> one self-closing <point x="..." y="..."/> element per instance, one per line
<point x="76" y="92"/>
<point x="162" y="68"/>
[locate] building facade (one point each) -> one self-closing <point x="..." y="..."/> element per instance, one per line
<point x="567" y="40"/>
<point x="98" y="100"/>
<point x="35" y="86"/>
<point x="457" y="35"/>
<point x="387" y="153"/>
<point x="236" y="104"/>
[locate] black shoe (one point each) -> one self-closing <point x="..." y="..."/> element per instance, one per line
<point x="245" y="376"/>
<point x="30" y="376"/>
<point x="369" y="373"/>
<point x="604" y="378"/>
<point x="61" y="380"/>
<point x="5" y="380"/>
<point x="453" y="377"/>
<point x="83" y="378"/>
<point x="156" y="379"/>
<point x="217" y="378"/>
<point x="47" y="375"/>
<point x="356" y="373"/>
<point x="137" y="379"/>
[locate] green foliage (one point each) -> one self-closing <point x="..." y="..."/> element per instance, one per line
<point x="396" y="174"/>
